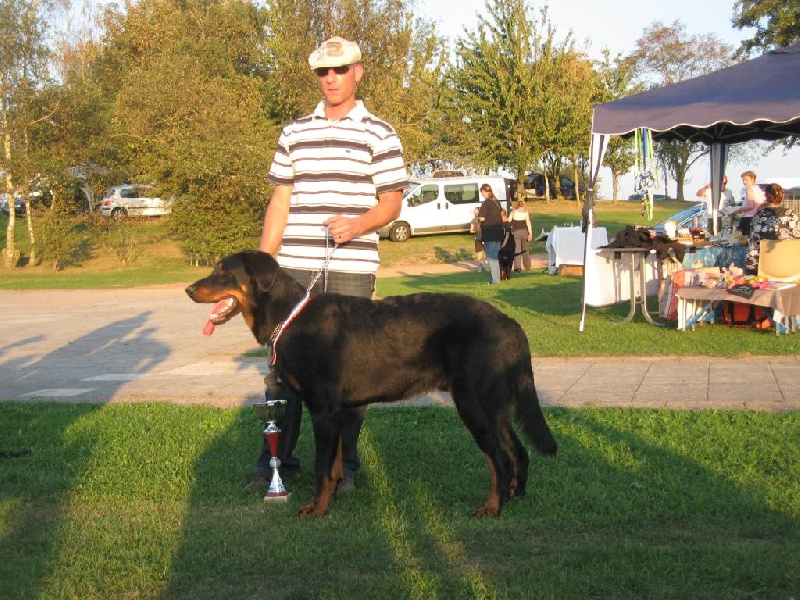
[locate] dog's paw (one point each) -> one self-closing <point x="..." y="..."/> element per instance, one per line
<point x="486" y="511"/>
<point x="312" y="509"/>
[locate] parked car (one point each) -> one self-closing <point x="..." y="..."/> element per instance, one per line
<point x="535" y="183"/>
<point x="656" y="197"/>
<point x="131" y="199"/>
<point x="444" y="205"/>
<point x="682" y="218"/>
<point x="38" y="198"/>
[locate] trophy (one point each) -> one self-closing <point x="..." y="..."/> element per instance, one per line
<point x="270" y="411"/>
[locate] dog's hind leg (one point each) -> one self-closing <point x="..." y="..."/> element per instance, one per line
<point x="519" y="456"/>
<point x="485" y="429"/>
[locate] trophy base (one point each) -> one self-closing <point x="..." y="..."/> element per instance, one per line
<point x="274" y="498"/>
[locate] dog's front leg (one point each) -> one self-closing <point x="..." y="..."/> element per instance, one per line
<point x="328" y="467"/>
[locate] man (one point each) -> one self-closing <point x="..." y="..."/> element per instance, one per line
<point x="339" y="174"/>
<point x="725" y="200"/>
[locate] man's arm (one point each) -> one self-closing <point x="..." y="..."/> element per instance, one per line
<point x="344" y="229"/>
<point x="275" y="218"/>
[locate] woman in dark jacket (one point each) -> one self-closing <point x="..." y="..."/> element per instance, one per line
<point x="491" y="218"/>
<point x="773" y="221"/>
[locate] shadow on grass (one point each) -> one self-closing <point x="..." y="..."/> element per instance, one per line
<point x="56" y="442"/>
<point x="631" y="507"/>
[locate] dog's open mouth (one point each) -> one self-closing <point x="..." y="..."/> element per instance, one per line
<point x="220" y="313"/>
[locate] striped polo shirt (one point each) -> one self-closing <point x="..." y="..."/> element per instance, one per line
<point x="335" y="167"/>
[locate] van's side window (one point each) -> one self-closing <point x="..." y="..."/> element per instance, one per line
<point x="464" y="193"/>
<point x="423" y="194"/>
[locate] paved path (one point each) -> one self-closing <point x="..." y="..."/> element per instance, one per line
<point x="146" y="344"/>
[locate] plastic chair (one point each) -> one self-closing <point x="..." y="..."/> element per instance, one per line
<point x="779" y="260"/>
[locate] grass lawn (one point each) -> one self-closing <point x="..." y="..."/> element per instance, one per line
<point x="145" y="501"/>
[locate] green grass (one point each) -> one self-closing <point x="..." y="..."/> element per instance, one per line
<point x="548" y="308"/>
<point x="145" y="501"/>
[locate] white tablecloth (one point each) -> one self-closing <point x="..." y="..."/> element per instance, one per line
<point x="565" y="245"/>
<point x="608" y="279"/>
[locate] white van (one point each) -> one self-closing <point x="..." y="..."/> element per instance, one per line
<point x="444" y="205"/>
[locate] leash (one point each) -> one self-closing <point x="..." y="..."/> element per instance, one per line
<point x="323" y="270"/>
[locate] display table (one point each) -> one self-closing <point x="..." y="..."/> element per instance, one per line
<point x="784" y="301"/>
<point x="565" y="245"/>
<point x="637" y="274"/>
<point x="608" y="278"/>
<point x="714" y="256"/>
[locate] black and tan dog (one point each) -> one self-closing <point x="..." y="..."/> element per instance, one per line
<point x="345" y="351"/>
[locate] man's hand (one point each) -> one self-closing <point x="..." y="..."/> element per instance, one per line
<point x="344" y="229"/>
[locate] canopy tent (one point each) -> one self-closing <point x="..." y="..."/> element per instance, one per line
<point x="758" y="99"/>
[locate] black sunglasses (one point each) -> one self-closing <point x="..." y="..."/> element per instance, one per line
<point x="323" y="71"/>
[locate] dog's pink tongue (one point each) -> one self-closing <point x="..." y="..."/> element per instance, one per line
<point x="209" y="328"/>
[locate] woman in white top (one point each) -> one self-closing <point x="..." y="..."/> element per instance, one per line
<point x="753" y="200"/>
<point x="523" y="234"/>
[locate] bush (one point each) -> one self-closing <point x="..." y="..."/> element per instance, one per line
<point x="119" y="239"/>
<point x="60" y="237"/>
<point x="212" y="229"/>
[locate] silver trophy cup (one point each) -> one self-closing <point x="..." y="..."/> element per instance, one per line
<point x="271" y="411"/>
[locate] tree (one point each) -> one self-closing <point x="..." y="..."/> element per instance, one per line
<point x="403" y="60"/>
<point x="185" y="85"/>
<point x="616" y="80"/>
<point x="23" y="70"/>
<point x="503" y="106"/>
<point x="665" y="55"/>
<point x="776" y="23"/>
<point x="575" y="84"/>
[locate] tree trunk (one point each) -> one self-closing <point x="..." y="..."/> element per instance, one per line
<point x="31" y="235"/>
<point x="10" y="255"/>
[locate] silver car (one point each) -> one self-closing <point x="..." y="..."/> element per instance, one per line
<point x="134" y="200"/>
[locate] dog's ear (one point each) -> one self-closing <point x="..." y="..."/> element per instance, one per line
<point x="262" y="268"/>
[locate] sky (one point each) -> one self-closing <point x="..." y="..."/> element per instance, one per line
<point x="615" y="25"/>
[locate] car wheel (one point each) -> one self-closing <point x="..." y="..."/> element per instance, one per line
<point x="119" y="213"/>
<point x="400" y="232"/>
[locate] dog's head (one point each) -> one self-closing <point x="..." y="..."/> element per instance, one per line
<point x="232" y="286"/>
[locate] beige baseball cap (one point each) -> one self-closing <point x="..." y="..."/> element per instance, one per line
<point x="335" y="52"/>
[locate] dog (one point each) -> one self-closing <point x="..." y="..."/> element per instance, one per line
<point x="338" y="351"/>
<point x="506" y="256"/>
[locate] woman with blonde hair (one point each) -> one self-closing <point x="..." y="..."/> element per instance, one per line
<point x="754" y="199"/>
<point x="523" y="234"/>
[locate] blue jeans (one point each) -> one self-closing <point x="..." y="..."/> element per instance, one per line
<point x="492" y="253"/>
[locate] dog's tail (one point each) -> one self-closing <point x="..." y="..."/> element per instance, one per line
<point x="530" y="416"/>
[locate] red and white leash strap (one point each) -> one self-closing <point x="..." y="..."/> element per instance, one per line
<point x="273" y="339"/>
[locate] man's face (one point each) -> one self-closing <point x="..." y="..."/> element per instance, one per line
<point x="337" y="85"/>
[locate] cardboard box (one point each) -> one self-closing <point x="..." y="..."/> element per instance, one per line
<point x="571" y="270"/>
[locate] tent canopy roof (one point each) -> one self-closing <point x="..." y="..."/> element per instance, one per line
<point x="756" y="99"/>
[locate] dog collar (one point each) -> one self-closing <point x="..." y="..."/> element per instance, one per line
<point x="273" y="339"/>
